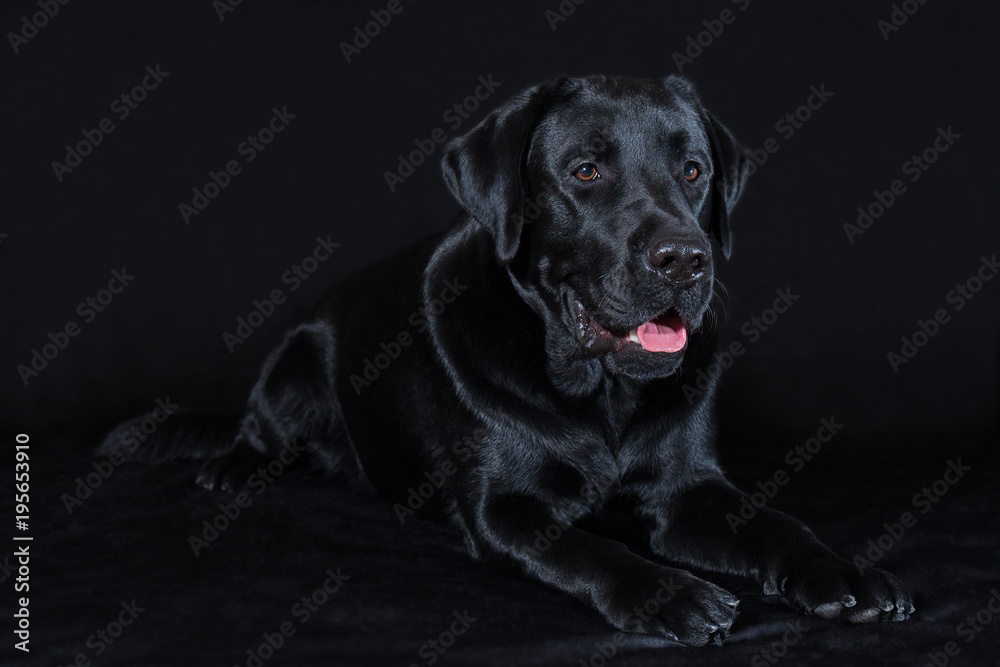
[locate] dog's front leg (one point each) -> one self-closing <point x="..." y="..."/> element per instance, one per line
<point x="698" y="526"/>
<point x="631" y="592"/>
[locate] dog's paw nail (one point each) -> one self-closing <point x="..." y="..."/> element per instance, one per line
<point x="829" y="610"/>
<point x="866" y="615"/>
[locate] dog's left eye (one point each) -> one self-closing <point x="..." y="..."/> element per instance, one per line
<point x="587" y="172"/>
<point x="691" y="171"/>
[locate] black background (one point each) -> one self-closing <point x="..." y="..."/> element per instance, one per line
<point x="324" y="176"/>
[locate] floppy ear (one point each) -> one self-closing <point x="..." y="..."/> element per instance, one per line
<point x="732" y="168"/>
<point x="730" y="165"/>
<point x="486" y="169"/>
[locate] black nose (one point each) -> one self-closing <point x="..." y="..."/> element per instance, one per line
<point x="680" y="263"/>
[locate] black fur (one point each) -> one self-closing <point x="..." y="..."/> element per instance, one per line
<point x="512" y="383"/>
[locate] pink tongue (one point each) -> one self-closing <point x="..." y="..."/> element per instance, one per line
<point x="664" y="334"/>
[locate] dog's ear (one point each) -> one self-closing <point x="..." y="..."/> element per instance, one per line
<point x="486" y="169"/>
<point x="731" y="166"/>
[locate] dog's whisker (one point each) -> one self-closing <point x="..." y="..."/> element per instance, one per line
<point x="722" y="286"/>
<point x="724" y="297"/>
<point x="606" y="295"/>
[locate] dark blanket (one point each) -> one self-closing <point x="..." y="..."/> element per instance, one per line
<point x="351" y="584"/>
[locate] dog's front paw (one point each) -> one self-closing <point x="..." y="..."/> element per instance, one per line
<point x="676" y="605"/>
<point x="231" y="471"/>
<point x="833" y="588"/>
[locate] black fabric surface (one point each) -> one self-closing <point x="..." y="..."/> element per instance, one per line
<point x="130" y="541"/>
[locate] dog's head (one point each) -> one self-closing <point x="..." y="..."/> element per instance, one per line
<point x="601" y="195"/>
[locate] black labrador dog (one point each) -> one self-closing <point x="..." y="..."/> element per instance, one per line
<point x="547" y="336"/>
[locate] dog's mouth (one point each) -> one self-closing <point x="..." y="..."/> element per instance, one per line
<point x="665" y="333"/>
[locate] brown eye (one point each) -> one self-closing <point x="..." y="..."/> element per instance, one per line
<point x="587" y="172"/>
<point x="691" y="171"/>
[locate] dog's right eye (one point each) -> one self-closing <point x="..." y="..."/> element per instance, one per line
<point x="587" y="172"/>
<point x="691" y="171"/>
